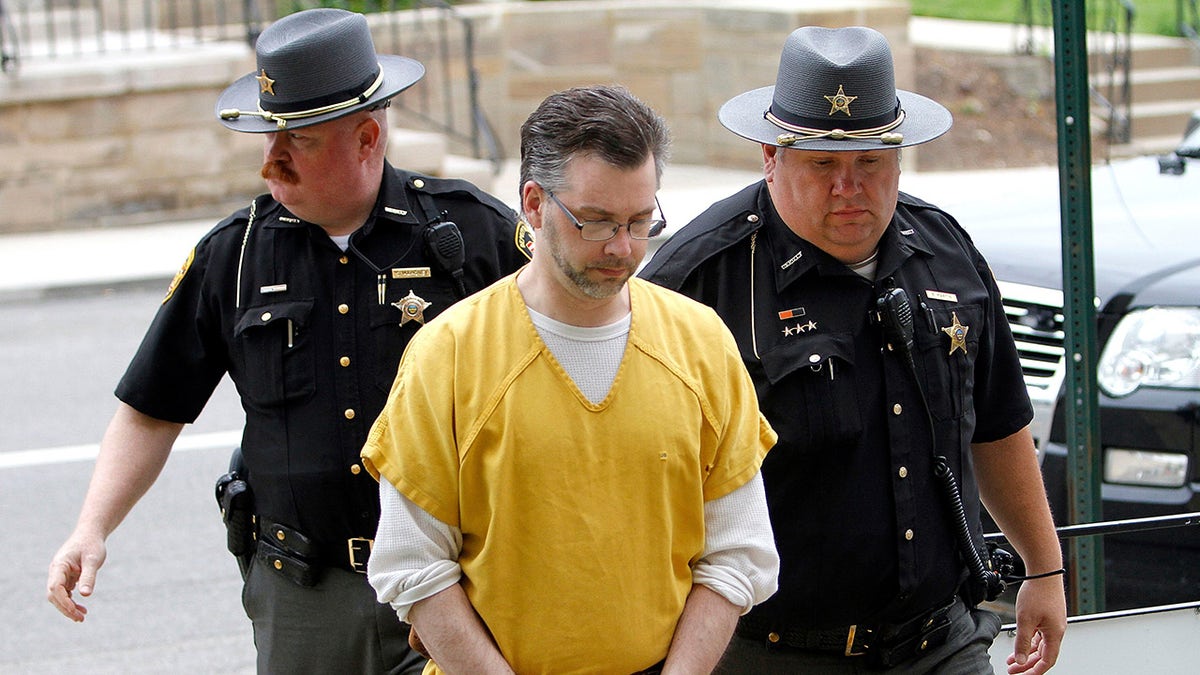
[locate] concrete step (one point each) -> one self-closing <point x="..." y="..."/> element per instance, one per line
<point x="427" y="152"/>
<point x="1159" y="84"/>
<point x="481" y="173"/>
<point x="416" y="150"/>
<point x="1161" y="118"/>
<point x="1164" y="53"/>
<point x="1149" y="145"/>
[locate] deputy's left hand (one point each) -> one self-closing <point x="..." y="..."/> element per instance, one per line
<point x="1041" y="622"/>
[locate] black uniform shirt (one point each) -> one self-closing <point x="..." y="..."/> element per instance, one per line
<point x="311" y="336"/>
<point x="862" y="527"/>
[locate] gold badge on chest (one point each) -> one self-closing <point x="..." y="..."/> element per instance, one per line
<point x="958" y="334"/>
<point x="412" y="308"/>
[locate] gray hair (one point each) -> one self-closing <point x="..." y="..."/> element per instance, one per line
<point x="607" y="122"/>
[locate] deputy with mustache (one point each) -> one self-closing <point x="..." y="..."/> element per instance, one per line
<point x="306" y="298"/>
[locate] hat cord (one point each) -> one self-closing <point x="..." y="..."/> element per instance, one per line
<point x="883" y="133"/>
<point x="281" y="119"/>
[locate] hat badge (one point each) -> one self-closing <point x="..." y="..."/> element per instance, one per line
<point x="840" y="102"/>
<point x="265" y="84"/>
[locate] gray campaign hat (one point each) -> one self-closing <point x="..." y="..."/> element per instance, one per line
<point x="313" y="66"/>
<point x="835" y="90"/>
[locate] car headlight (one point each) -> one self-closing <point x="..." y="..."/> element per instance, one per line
<point x="1141" y="467"/>
<point x="1155" y="347"/>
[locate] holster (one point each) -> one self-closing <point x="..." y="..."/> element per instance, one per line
<point x="236" y="502"/>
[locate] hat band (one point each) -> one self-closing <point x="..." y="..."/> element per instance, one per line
<point x="855" y="124"/>
<point x="350" y="93"/>
<point x="281" y="118"/>
<point x="883" y="133"/>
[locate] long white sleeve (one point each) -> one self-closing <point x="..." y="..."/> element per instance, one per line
<point x="414" y="556"/>
<point x="739" y="562"/>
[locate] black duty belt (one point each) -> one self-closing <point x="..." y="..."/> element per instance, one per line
<point x="885" y="644"/>
<point x="299" y="558"/>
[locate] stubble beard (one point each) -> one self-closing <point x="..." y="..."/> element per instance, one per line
<point x="597" y="290"/>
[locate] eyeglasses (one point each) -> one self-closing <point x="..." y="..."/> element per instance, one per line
<point x="603" y="230"/>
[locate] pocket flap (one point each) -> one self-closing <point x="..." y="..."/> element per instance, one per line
<point x="296" y="311"/>
<point x="807" y="351"/>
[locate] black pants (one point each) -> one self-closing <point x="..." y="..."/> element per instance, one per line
<point x="336" y="626"/>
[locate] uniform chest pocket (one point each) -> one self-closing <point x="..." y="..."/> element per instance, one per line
<point x="812" y="399"/>
<point x="410" y="305"/>
<point x="276" y="351"/>
<point x="947" y="344"/>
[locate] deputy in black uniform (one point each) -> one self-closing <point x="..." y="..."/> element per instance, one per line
<point x="306" y="298"/>
<point x="877" y="339"/>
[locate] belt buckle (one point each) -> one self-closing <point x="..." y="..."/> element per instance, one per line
<point x="854" y="632"/>
<point x="359" y="546"/>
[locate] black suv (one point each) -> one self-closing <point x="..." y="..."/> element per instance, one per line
<point x="1147" y="268"/>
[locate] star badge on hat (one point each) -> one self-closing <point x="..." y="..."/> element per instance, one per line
<point x="957" y="333"/>
<point x="840" y="102"/>
<point x="325" y="62"/>
<point x="412" y="308"/>
<point x="265" y="84"/>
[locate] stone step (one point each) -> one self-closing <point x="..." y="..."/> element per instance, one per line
<point x="1158" y="84"/>
<point x="416" y="150"/>
<point x="427" y="152"/>
<point x="1141" y="147"/>
<point x="1161" y="118"/>
<point x="480" y="172"/>
<point x="1164" y="91"/>
<point x="1168" y="53"/>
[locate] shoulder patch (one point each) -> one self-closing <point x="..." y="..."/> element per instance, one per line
<point x="523" y="238"/>
<point x="179" y="275"/>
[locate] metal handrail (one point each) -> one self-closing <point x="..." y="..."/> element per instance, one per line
<point x="8" y="41"/>
<point x="1187" y="21"/>
<point x="1115" y="60"/>
<point x="1114" y="526"/>
<point x="1112" y="56"/>
<point x="448" y="100"/>
<point x="1117" y="527"/>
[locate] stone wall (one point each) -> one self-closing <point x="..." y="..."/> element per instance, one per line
<point x="120" y="139"/>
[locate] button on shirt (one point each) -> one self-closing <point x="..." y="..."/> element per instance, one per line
<point x="861" y="524"/>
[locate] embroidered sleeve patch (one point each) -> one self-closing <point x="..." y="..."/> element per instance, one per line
<point x="179" y="275"/>
<point x="524" y="238"/>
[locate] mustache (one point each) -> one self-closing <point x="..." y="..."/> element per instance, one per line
<point x="276" y="170"/>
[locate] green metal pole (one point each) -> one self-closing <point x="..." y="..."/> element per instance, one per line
<point x="1079" y="284"/>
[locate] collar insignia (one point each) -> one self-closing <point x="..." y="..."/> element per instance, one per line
<point x="265" y="84"/>
<point x="412" y="308"/>
<point x="840" y="102"/>
<point x="957" y="333"/>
